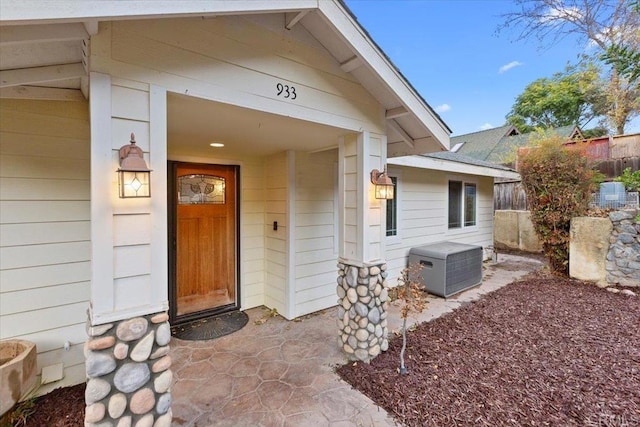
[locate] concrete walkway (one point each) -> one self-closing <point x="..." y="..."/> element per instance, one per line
<point x="281" y="373"/>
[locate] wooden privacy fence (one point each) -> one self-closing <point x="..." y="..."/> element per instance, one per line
<point x="509" y="196"/>
<point x="625" y="146"/>
<point x="613" y="154"/>
<point x="614" y="167"/>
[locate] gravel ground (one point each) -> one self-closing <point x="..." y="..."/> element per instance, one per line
<point x="542" y="351"/>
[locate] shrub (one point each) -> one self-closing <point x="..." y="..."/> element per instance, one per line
<point x="558" y="182"/>
<point x="630" y="180"/>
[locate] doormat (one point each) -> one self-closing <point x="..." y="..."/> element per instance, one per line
<point x="211" y="327"/>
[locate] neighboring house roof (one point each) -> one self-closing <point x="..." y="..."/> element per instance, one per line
<point x="479" y="144"/>
<point x="461" y="158"/>
<point x="506" y="147"/>
<point x="569" y="132"/>
<point x="455" y="163"/>
<point x="64" y="24"/>
<point x="498" y="145"/>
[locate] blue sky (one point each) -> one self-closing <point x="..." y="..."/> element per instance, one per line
<point x="451" y="53"/>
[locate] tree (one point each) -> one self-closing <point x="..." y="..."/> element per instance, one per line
<point x="411" y="291"/>
<point x="600" y="23"/>
<point x="558" y="182"/>
<point x="574" y="97"/>
<point x="625" y="58"/>
<point x="594" y="132"/>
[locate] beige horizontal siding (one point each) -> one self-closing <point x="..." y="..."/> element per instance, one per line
<point x="315" y="251"/>
<point x="423" y="203"/>
<point x="45" y="229"/>
<point x="276" y="188"/>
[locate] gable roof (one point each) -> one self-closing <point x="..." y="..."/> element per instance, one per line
<point x="498" y="144"/>
<point x="409" y="118"/>
<point x="569" y="132"/>
<point x="479" y="144"/>
<point x="507" y="146"/>
<point x="504" y="151"/>
<point x="461" y="158"/>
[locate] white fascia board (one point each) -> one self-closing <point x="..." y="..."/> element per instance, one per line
<point x="422" y="162"/>
<point x="43" y="11"/>
<point x="365" y="49"/>
<point x="34" y="75"/>
<point x="41" y="93"/>
<point x="19" y="34"/>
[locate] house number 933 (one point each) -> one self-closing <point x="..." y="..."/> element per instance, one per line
<point x="286" y="91"/>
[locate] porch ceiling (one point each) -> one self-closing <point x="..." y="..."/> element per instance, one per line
<point x="193" y="123"/>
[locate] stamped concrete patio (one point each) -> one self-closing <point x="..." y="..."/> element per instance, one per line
<point x="281" y="373"/>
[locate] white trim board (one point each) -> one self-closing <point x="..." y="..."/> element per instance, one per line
<point x="20" y="34"/>
<point x="26" y="11"/>
<point x="450" y="166"/>
<point x="41" y="93"/>
<point x="51" y="73"/>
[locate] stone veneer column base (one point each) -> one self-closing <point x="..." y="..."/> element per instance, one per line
<point x="128" y="375"/>
<point x="623" y="258"/>
<point x="362" y="310"/>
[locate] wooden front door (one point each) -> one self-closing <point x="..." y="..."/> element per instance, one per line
<point x="205" y="239"/>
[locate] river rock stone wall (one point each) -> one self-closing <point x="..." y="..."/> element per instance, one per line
<point x="128" y="375"/>
<point x="623" y="258"/>
<point x="362" y="310"/>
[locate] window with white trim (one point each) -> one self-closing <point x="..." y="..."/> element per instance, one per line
<point x="462" y="204"/>
<point x="392" y="210"/>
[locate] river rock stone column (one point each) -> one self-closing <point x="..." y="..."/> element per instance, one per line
<point x="128" y="375"/>
<point x="623" y="259"/>
<point x="362" y="310"/>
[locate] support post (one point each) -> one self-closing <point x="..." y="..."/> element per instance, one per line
<point x="362" y="287"/>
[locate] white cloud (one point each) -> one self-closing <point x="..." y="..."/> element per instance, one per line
<point x="559" y="14"/>
<point x="509" y="66"/>
<point x="486" y="126"/>
<point x="443" y="108"/>
<point x="614" y="34"/>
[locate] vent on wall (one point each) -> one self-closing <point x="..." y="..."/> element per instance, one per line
<point x="448" y="267"/>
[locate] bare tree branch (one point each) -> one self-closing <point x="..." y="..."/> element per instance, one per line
<point x="609" y="26"/>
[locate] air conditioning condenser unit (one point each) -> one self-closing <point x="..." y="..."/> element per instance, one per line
<point x="448" y="267"/>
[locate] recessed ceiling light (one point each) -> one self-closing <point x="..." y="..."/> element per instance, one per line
<point x="217" y="144"/>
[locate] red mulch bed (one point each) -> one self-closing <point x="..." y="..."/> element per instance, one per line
<point x="64" y="407"/>
<point x="544" y="351"/>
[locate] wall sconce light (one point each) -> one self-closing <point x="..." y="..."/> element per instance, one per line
<point x="133" y="174"/>
<point x="384" y="185"/>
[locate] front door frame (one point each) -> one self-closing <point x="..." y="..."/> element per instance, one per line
<point x="172" y="210"/>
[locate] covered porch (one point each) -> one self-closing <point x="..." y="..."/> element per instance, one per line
<point x="306" y="106"/>
<point x="274" y="372"/>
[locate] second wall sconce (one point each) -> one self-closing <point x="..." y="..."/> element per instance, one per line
<point x="384" y="184"/>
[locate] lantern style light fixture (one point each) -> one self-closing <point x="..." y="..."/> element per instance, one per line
<point x="133" y="174"/>
<point x="384" y="185"/>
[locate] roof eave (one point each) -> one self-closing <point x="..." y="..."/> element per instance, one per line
<point x="334" y="12"/>
<point x="23" y="12"/>
<point x="423" y="162"/>
<point x="364" y="46"/>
